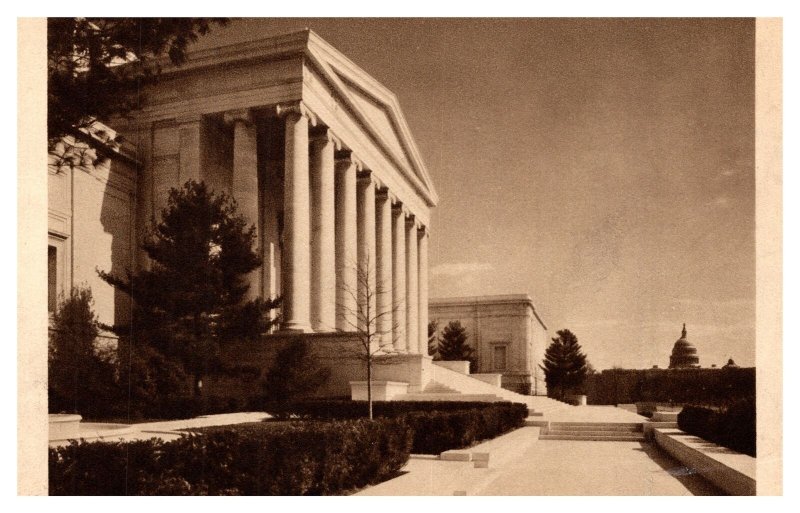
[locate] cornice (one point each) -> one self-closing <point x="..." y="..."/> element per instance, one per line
<point x="267" y="48"/>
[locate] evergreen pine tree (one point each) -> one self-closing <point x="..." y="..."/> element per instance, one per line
<point x="453" y="345"/>
<point x="294" y="375"/>
<point x="193" y="297"/>
<point x="565" y="367"/>
<point x="80" y="374"/>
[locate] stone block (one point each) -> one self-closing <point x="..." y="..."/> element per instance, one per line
<point x="381" y="390"/>
<point x="481" y="459"/>
<point x="494" y="379"/>
<point x="63" y="426"/>
<point x="460" y="366"/>
<point x="456" y="455"/>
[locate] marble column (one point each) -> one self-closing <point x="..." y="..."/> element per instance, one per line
<point x="346" y="250"/>
<point x="244" y="183"/>
<point x="422" y="248"/>
<point x="323" y="258"/>
<point x="399" y="277"/>
<point x="296" y="257"/>
<point x="412" y="287"/>
<point x="189" y="143"/>
<point x="365" y="273"/>
<point x="383" y="257"/>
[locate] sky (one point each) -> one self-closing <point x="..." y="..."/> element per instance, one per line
<point x="604" y="167"/>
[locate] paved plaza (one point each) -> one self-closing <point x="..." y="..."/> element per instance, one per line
<point x="565" y="467"/>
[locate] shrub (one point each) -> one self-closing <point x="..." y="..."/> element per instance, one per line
<point x="295" y="374"/>
<point x="733" y="426"/>
<point x="437" y="426"/>
<point x="80" y="372"/>
<point x="311" y="458"/>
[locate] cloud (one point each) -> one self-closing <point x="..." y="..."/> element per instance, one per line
<point x="460" y="268"/>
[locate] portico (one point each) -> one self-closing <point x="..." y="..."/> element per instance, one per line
<point x="319" y="158"/>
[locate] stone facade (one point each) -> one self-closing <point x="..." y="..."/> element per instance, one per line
<point x="506" y="332"/>
<point x="317" y="155"/>
<point x="91" y="225"/>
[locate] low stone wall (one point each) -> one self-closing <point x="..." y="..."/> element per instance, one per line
<point x="247" y="363"/>
<point x="519" y="382"/>
<point x="460" y="366"/>
<point x="64" y="426"/>
<point x="381" y="390"/>
<point x="731" y="471"/>
<point x="491" y="378"/>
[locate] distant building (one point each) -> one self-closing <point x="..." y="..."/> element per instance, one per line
<point x="684" y="354"/>
<point x="684" y="381"/>
<point x="505" y="331"/>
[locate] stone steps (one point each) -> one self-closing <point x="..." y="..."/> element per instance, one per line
<point x="633" y="437"/>
<point x="597" y="426"/>
<point x="593" y="431"/>
<point x="438" y="388"/>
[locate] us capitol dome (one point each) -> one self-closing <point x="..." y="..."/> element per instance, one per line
<point x="684" y="354"/>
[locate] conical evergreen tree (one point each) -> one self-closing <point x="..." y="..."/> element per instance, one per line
<point x="193" y="297"/>
<point x="565" y="367"/>
<point x="453" y="345"/>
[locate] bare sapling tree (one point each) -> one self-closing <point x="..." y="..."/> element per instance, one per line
<point x="372" y="315"/>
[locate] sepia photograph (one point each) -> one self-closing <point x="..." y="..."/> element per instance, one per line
<point x="411" y="256"/>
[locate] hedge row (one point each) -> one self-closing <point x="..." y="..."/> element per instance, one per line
<point x="436" y="432"/>
<point x="309" y="458"/>
<point x="437" y="426"/>
<point x="676" y="386"/>
<point x="733" y="426"/>
<point x="347" y="409"/>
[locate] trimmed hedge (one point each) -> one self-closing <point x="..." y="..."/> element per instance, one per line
<point x="347" y="409"/>
<point x="674" y="386"/>
<point x="437" y="426"/>
<point x="733" y="427"/>
<point x="309" y="458"/>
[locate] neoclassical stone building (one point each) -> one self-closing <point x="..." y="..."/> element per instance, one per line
<point x="506" y="333"/>
<point x="316" y="153"/>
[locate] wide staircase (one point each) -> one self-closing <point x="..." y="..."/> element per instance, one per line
<point x="449" y="385"/>
<point x="593" y="431"/>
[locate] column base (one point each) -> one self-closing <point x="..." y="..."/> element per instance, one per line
<point x="294" y="327"/>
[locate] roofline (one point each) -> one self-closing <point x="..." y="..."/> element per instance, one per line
<point x="299" y="43"/>
<point x="290" y="43"/>
<point x="498" y="299"/>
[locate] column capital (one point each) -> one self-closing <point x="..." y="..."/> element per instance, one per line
<point x="398" y="209"/>
<point x="297" y="108"/>
<point x="367" y="176"/>
<point x="424" y="231"/>
<point x="232" y="116"/>
<point x="411" y="221"/>
<point x="323" y="134"/>
<point x="383" y="192"/>
<point x="345" y="155"/>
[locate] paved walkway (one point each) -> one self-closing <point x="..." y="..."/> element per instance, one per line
<point x="564" y="467"/>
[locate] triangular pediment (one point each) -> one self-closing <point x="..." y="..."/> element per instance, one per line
<point x="377" y="107"/>
<point x="379" y="115"/>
